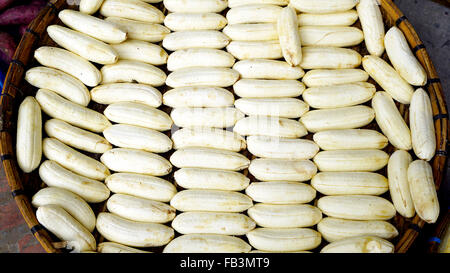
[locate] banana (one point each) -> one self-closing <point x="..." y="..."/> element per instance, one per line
<point x="244" y="50"/>
<point x="207" y="243"/>
<point x="66" y="228"/>
<point x="180" y="21"/>
<point x="137" y="137"/>
<point x="69" y="201"/>
<point x="391" y="121"/>
<point x="351" y="160"/>
<point x="266" y="169"/>
<point x="198" y="96"/>
<point x="334" y="229"/>
<point x="208" y="137"/>
<point x="29" y="135"/>
<point x="143" y="31"/>
<point x="57" y="107"/>
<point x="195" y="5"/>
<point x="252" y="32"/>
<point x="397" y="171"/>
<point x="110" y="247"/>
<point x="202" y="76"/>
<point x="255" y="88"/>
<point x="359" y="244"/>
<point x="195" y="39"/>
<point x="197" y="157"/>
<point x="136" y="161"/>
<point x="372" y="25"/>
<point x="356" y="207"/>
<point x="73" y="160"/>
<point x="281" y="107"/>
<point x="326" y="77"/>
<point x="270" y="126"/>
<point x="70" y="63"/>
<point x="135" y="50"/>
<point x="342" y="95"/>
<point x="238" y="3"/>
<point x="54" y="175"/>
<point x="127" y="92"/>
<point x="134" y="113"/>
<point x="90" y="6"/>
<point x="81" y="44"/>
<point x="93" y="26"/>
<point x="281" y="192"/>
<point x="423" y="190"/>
<point x="344" y="18"/>
<point x="403" y="59"/>
<point x="268" y="69"/>
<point x="132" y="9"/>
<point x="326" y="57"/>
<point x="281" y="148"/>
<point x="211" y="200"/>
<point x="222" y="117"/>
<point x="285" y="216"/>
<point x="213" y="223"/>
<point x="262" y="251"/>
<point x="209" y="179"/>
<point x="389" y="79"/>
<point x="253" y="13"/>
<point x="289" y="36"/>
<point x="140" y="185"/>
<point x="339" y="118"/>
<point x="322" y="6"/>
<point x="140" y="209"/>
<point x="422" y="125"/>
<point x="337" y="36"/>
<point x="132" y="233"/>
<point x="343" y="183"/>
<point x="350" y="139"/>
<point x="205" y="57"/>
<point x="284" y="239"/>
<point x="136" y="72"/>
<point x="59" y="82"/>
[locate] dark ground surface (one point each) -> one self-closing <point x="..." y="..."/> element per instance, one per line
<point x="431" y="21"/>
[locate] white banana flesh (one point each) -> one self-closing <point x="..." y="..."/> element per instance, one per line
<point x="238" y="3"/>
<point x="346" y="183"/>
<point x="198" y="96"/>
<point x="81" y="44"/>
<point x="285" y="216"/>
<point x="266" y="169"/>
<point x="180" y="21"/>
<point x="284" y="239"/>
<point x="398" y="183"/>
<point x="339" y="118"/>
<point x="281" y="192"/>
<point x="217" y="117"/>
<point x="372" y="25"/>
<point x="323" y="6"/>
<point x="139" y="185"/>
<point x="136" y="161"/>
<point x="29" y="135"/>
<point x="213" y="223"/>
<point x="195" y="5"/>
<point x="69" y="201"/>
<point x="59" y="222"/>
<point x="254" y="13"/>
<point x="90" y="6"/>
<point x="140" y="209"/>
<point x="391" y="121"/>
<point x="422" y="125"/>
<point x="350" y="139"/>
<point x="54" y="175"/>
<point x="110" y="247"/>
<point x="325" y="57"/>
<point x="195" y="39"/>
<point x="281" y="107"/>
<point x="423" y="190"/>
<point x="267" y="69"/>
<point x="132" y="9"/>
<point x="356" y="207"/>
<point x="59" y="82"/>
<point x="344" y="18"/>
<point x="351" y="160"/>
<point x="132" y="233"/>
<point x="210" y="179"/>
<point x="327" y="77"/>
<point x="195" y="57"/>
<point x="202" y="76"/>
<point x="136" y="72"/>
<point x="256" y="88"/>
<point x="289" y="36"/>
<point x="135" y="50"/>
<point x="359" y="244"/>
<point x="137" y="137"/>
<point x="244" y="50"/>
<point x="342" y="95"/>
<point x="211" y="200"/>
<point x="127" y="92"/>
<point x="330" y="36"/>
<point x="287" y="148"/>
<point x="270" y="126"/>
<point x="143" y="31"/>
<point x="207" y="243"/>
<point x="197" y="157"/>
<point x="252" y="32"/>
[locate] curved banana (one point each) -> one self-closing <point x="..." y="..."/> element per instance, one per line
<point x="284" y="239"/>
<point x="136" y="72"/>
<point x="256" y="88"/>
<point x="281" y="192"/>
<point x="266" y="169"/>
<point x="195" y="39"/>
<point x="285" y="216"/>
<point x="244" y="50"/>
<point x="135" y="50"/>
<point x="350" y="139"/>
<point x="180" y="21"/>
<point x="327" y="77"/>
<point x="207" y="243"/>
<point x="110" y="247"/>
<point x="252" y="32"/>
<point x="337" y="36"/>
<point x="210" y="179"/>
<point x="138" y="30"/>
<point x="254" y="13"/>
<point x="202" y="76"/>
<point x="344" y="18"/>
<point x="222" y="117"/>
<point x="195" y="57"/>
<point x="267" y="69"/>
<point x="126" y="92"/>
<point x="132" y="9"/>
<point x="90" y="6"/>
<point x="359" y="244"/>
<point x="289" y="36"/>
<point x="397" y="171"/>
<point x="282" y="148"/>
<point x="270" y="126"/>
<point x="325" y="57"/>
<point x="195" y="5"/>
<point x="351" y="160"/>
<point x="323" y="6"/>
<point x="198" y="96"/>
<point x="372" y="25"/>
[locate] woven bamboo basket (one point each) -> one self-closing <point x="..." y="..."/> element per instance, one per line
<point x="24" y="186"/>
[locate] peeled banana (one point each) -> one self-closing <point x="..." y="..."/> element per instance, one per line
<point x="202" y="76"/>
<point x="179" y="21"/>
<point x="336" y="36"/>
<point x="372" y="25"/>
<point x="210" y="179"/>
<point x="267" y="69"/>
<point x="195" y="57"/>
<point x="256" y="88"/>
<point x="244" y="50"/>
<point x="207" y="243"/>
<point x="127" y="92"/>
<point x="135" y="50"/>
<point x="90" y="6"/>
<point x="132" y="9"/>
<point x="359" y="244"/>
<point x="266" y="169"/>
<point x="287" y="148"/>
<point x="284" y="239"/>
<point x="218" y="117"/>
<point x="281" y="192"/>
<point x="326" y="57"/>
<point x="110" y="247"/>
<point x="327" y="77"/>
<point x="285" y="216"/>
<point x="195" y="39"/>
<point x="350" y="139"/>
<point x="198" y="96"/>
<point x="270" y="126"/>
<point x="252" y="32"/>
<point x="138" y="30"/>
<point x="289" y="37"/>
<point x="253" y="13"/>
<point x="136" y="72"/>
<point x="344" y="18"/>
<point x="398" y="183"/>
<point x="351" y="160"/>
<point x="195" y="5"/>
<point x="322" y="6"/>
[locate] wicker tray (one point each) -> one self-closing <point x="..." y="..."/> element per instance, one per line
<point x="24" y="186"/>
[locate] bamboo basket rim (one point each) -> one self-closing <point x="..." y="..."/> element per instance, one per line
<point x="29" y="43"/>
